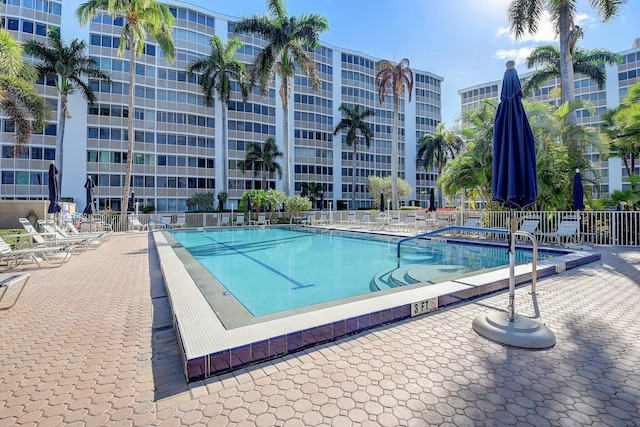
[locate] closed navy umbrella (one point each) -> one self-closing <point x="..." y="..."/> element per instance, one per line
<point x="578" y="192"/>
<point x="90" y="208"/>
<point x="321" y="200"/>
<point x="132" y="202"/>
<point x="514" y="185"/>
<point x="381" y="202"/>
<point x="54" y="190"/>
<point x="432" y="201"/>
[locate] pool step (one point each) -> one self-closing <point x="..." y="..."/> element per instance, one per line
<point x="413" y="273"/>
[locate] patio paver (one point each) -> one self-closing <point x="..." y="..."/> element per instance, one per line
<point x="91" y="343"/>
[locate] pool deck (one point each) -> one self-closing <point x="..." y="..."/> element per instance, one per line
<point x="92" y="343"/>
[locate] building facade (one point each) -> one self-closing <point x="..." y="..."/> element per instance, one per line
<point x="178" y="142"/>
<point x="608" y="174"/>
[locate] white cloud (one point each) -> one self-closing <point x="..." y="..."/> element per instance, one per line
<point x="518" y="55"/>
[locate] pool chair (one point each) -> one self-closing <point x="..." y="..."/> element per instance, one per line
<point x="49" y="228"/>
<point x="365" y="221"/>
<point x="51" y="238"/>
<point x="324" y="219"/>
<point x="528" y="226"/>
<point x="8" y="280"/>
<point x="72" y="231"/>
<point x="181" y="221"/>
<point x="262" y="220"/>
<point x="239" y="220"/>
<point x="12" y="258"/>
<point x="351" y="220"/>
<point x="225" y="220"/>
<point x="568" y="232"/>
<point x="135" y="224"/>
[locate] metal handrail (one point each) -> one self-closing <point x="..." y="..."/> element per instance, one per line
<point x="534" y="263"/>
<point x="152" y="220"/>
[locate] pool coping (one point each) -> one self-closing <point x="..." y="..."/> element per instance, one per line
<point x="208" y="348"/>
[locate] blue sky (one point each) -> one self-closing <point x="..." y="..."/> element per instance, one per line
<point x="465" y="41"/>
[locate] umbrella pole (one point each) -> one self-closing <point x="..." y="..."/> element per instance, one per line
<point x="512" y="265"/>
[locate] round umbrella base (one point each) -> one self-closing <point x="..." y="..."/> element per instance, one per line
<point x="521" y="332"/>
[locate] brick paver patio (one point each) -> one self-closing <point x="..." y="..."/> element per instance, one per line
<point x="91" y="343"/>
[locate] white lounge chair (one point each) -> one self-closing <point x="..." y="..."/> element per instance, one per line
<point x="239" y="220"/>
<point x="365" y="221"/>
<point x="351" y="220"/>
<point x="225" y="219"/>
<point x="181" y="221"/>
<point x="324" y="219"/>
<point x="11" y="258"/>
<point x="568" y="231"/>
<point x="135" y="223"/>
<point x="51" y="238"/>
<point x="262" y="219"/>
<point x="6" y="281"/>
<point x="87" y="242"/>
<point x="528" y="226"/>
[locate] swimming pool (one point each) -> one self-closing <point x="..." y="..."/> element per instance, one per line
<point x="218" y="334"/>
<point x="275" y="269"/>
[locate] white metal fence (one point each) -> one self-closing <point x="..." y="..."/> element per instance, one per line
<point x="596" y="228"/>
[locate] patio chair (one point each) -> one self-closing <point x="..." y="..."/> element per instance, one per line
<point x="6" y="281"/>
<point x="225" y="219"/>
<point x="63" y="237"/>
<point x="181" y="221"/>
<point x="239" y="220"/>
<point x="135" y="223"/>
<point x="324" y="219"/>
<point x="262" y="219"/>
<point x="50" y="237"/>
<point x="104" y="235"/>
<point x="568" y="230"/>
<point x="11" y="258"/>
<point x="351" y="220"/>
<point x="528" y="226"/>
<point x="365" y="221"/>
<point x="59" y="237"/>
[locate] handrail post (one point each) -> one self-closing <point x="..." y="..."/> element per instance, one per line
<point x="534" y="262"/>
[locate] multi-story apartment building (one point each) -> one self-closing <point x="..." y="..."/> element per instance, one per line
<point x="608" y="173"/>
<point x="178" y="142"/>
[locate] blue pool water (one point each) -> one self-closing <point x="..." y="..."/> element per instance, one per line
<point x="275" y="269"/>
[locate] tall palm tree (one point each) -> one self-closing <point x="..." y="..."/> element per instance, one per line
<point x="394" y="78"/>
<point x="143" y="18"/>
<point x="68" y="65"/>
<point x="353" y="120"/>
<point x="288" y="40"/>
<point x="217" y="71"/>
<point x="584" y="62"/>
<point x="436" y="149"/>
<point x="263" y="158"/>
<point x="19" y="98"/>
<point x="524" y="16"/>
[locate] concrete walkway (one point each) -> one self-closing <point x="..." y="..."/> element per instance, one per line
<point x="91" y="343"/>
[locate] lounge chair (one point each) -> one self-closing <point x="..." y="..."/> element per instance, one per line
<point x="181" y="221"/>
<point x="365" y="221"/>
<point x="262" y="220"/>
<point x="11" y="258"/>
<point x="51" y="237"/>
<point x="87" y="242"/>
<point x="135" y="223"/>
<point x="6" y="281"/>
<point x="324" y="219"/>
<point x="225" y="220"/>
<point x="568" y="230"/>
<point x="239" y="220"/>
<point x="104" y="235"/>
<point x="472" y="221"/>
<point x="351" y="220"/>
<point x="528" y="226"/>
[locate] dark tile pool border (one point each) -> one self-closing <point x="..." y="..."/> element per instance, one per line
<point x="225" y="356"/>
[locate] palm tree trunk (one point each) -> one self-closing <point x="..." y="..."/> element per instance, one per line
<point x="353" y="178"/>
<point x="566" y="61"/>
<point x="130" y="139"/>
<point x="225" y="148"/>
<point x="285" y="139"/>
<point x="62" y="121"/>
<point x="394" y="154"/>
